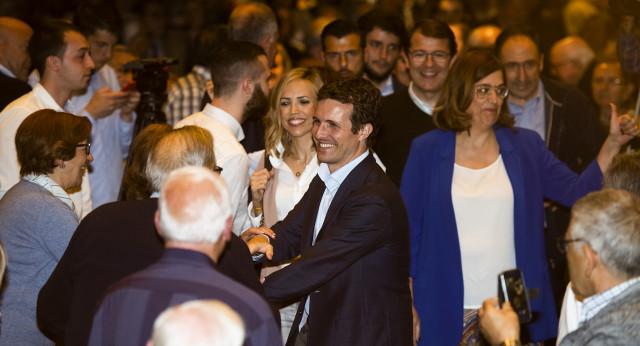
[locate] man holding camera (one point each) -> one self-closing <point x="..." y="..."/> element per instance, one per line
<point x="603" y="252"/>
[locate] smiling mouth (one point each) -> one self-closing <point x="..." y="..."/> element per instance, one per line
<point x="326" y="145"/>
<point x="296" y="122"/>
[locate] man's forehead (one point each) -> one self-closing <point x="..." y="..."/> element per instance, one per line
<point x="102" y="35"/>
<point x="75" y="41"/>
<point x="378" y="31"/>
<point x="329" y="109"/>
<point x="520" y="45"/>
<point x="418" y="40"/>
<point x="350" y="41"/>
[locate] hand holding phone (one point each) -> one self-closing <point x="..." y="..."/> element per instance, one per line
<point x="131" y="86"/>
<point x="511" y="288"/>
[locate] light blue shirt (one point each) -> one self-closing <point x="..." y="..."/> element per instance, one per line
<point x="332" y="183"/>
<point x="592" y="305"/>
<point x="5" y="71"/>
<point x="532" y="115"/>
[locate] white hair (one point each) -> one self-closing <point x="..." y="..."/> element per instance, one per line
<point x="199" y="323"/>
<point x="194" y="205"/>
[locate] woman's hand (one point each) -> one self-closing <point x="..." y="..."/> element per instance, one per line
<point x="259" y="181"/>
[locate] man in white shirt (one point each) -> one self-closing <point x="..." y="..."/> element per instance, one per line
<point x="240" y="73"/>
<point x="61" y="54"/>
<point x="603" y="252"/>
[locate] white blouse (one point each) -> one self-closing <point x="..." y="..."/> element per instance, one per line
<point x="483" y="207"/>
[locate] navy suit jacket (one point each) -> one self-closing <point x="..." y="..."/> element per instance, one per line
<point x="11" y="89"/>
<point x="356" y="275"/>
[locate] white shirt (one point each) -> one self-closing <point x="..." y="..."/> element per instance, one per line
<point x="10" y="119"/>
<point x="483" y="207"/>
<point x="425" y="107"/>
<point x="290" y="189"/>
<point x="230" y="155"/>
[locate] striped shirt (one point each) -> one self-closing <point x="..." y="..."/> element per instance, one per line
<point x="592" y="305"/>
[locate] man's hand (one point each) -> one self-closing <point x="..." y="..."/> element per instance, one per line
<point x="254" y="231"/>
<point x="105" y="101"/>
<point x="126" y="112"/>
<point x="260" y="245"/>
<point x="498" y="324"/>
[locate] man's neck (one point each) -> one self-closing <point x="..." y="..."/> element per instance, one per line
<point x="380" y="85"/>
<point x="204" y="248"/>
<point x="59" y="94"/>
<point x="429" y="98"/>
<point x="230" y="105"/>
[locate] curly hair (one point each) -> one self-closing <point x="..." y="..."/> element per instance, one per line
<point x="274" y="129"/>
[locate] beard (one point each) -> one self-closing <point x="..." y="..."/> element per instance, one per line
<point x="257" y="106"/>
<point x="376" y="77"/>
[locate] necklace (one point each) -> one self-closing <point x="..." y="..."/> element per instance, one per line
<point x="299" y="173"/>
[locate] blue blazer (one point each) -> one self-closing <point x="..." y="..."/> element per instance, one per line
<point x="436" y="269"/>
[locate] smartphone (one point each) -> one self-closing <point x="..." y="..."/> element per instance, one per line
<point x="511" y="288"/>
<point x="131" y="86"/>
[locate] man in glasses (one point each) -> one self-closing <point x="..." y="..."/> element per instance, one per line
<point x="603" y="251"/>
<point x="408" y="113"/>
<point x="560" y="114"/>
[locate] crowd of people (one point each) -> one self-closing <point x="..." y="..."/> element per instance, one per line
<point x="329" y="173"/>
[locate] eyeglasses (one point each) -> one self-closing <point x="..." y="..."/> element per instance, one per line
<point x="217" y="169"/>
<point x="563" y="244"/>
<point x="87" y="147"/>
<point x="419" y="56"/>
<point x="484" y="90"/>
<point x="610" y="81"/>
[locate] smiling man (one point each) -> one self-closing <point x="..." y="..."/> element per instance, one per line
<point x="342" y="49"/>
<point x="351" y="231"/>
<point x="384" y="37"/>
<point x="408" y="113"/>
<point x="60" y="53"/>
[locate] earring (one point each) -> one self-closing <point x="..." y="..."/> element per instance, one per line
<point x="62" y="165"/>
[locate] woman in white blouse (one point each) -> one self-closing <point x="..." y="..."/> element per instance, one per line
<point x="290" y="158"/>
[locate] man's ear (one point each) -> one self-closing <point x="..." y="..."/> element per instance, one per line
<point x="226" y="233"/>
<point x="247" y="86"/>
<point x="156" y="221"/>
<point x="209" y="88"/>
<point x="592" y="258"/>
<point x="365" y="132"/>
<point x="53" y="63"/>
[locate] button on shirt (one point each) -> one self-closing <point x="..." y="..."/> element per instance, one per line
<point x="332" y="183"/>
<point x="532" y="115"/>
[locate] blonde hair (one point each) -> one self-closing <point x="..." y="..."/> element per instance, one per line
<point x="274" y="130"/>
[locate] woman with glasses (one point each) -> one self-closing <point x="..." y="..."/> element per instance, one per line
<point x="474" y="193"/>
<point x="38" y="216"/>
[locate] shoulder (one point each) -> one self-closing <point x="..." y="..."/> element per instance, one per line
<point x="432" y="138"/>
<point x="562" y="93"/>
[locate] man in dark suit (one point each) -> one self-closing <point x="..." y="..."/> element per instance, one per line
<point x="351" y="231"/>
<point x="118" y="239"/>
<point x="14" y="59"/>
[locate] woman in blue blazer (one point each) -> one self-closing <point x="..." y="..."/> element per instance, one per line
<point x="474" y="192"/>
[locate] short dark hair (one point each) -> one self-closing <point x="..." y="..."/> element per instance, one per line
<point x="517" y="30"/>
<point x="207" y="41"/>
<point x="386" y="21"/>
<point x="251" y="22"/>
<point x="48" y="40"/>
<point x="436" y="29"/>
<point x="47" y="135"/>
<point x="91" y="16"/>
<point x="232" y="62"/>
<point x="339" y="28"/>
<point x="458" y="90"/>
<point x="365" y="98"/>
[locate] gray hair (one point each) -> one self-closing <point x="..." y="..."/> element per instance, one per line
<point x="251" y="22"/>
<point x="624" y="173"/>
<point x="194" y="206"/>
<point x="609" y="220"/>
<point x="186" y="146"/>
<point x="199" y="323"/>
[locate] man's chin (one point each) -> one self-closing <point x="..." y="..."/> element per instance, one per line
<point x="375" y="76"/>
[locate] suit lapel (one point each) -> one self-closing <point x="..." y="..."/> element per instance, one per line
<point x="316" y="189"/>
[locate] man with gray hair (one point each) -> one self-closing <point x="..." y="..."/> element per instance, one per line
<point x="603" y="251"/>
<point x="119" y="239"/>
<point x="14" y="59"/>
<point x="256" y="23"/>
<point x="194" y="219"/>
<point x="198" y="323"/>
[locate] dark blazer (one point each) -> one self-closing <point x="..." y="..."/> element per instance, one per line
<point x="10" y="89"/>
<point x="402" y="121"/>
<point x="356" y="274"/>
<point x="112" y="242"/>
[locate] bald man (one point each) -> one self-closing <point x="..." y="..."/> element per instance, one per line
<point x="14" y="59"/>
<point x="570" y="59"/>
<point x="483" y="36"/>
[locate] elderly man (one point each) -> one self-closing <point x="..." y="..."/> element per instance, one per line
<point x="342" y="49"/>
<point x="384" y="37"/>
<point x="603" y="251"/>
<point x="240" y="74"/>
<point x="408" y="113"/>
<point x="194" y="218"/>
<point x="118" y="239"/>
<point x="14" y="59"/>
<point x="350" y="230"/>
<point x="570" y="59"/>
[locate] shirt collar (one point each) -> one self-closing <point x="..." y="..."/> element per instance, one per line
<point x="226" y="118"/>
<point x="6" y="71"/>
<point x="539" y="96"/>
<point x="594" y="304"/>
<point x="387" y="89"/>
<point x="47" y="101"/>
<point x="425" y="107"/>
<point x="333" y="180"/>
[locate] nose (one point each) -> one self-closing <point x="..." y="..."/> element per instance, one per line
<point x="429" y="60"/>
<point x="521" y="73"/>
<point x="90" y="158"/>
<point x="90" y="63"/>
<point x="343" y="60"/>
<point x="383" y="53"/>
